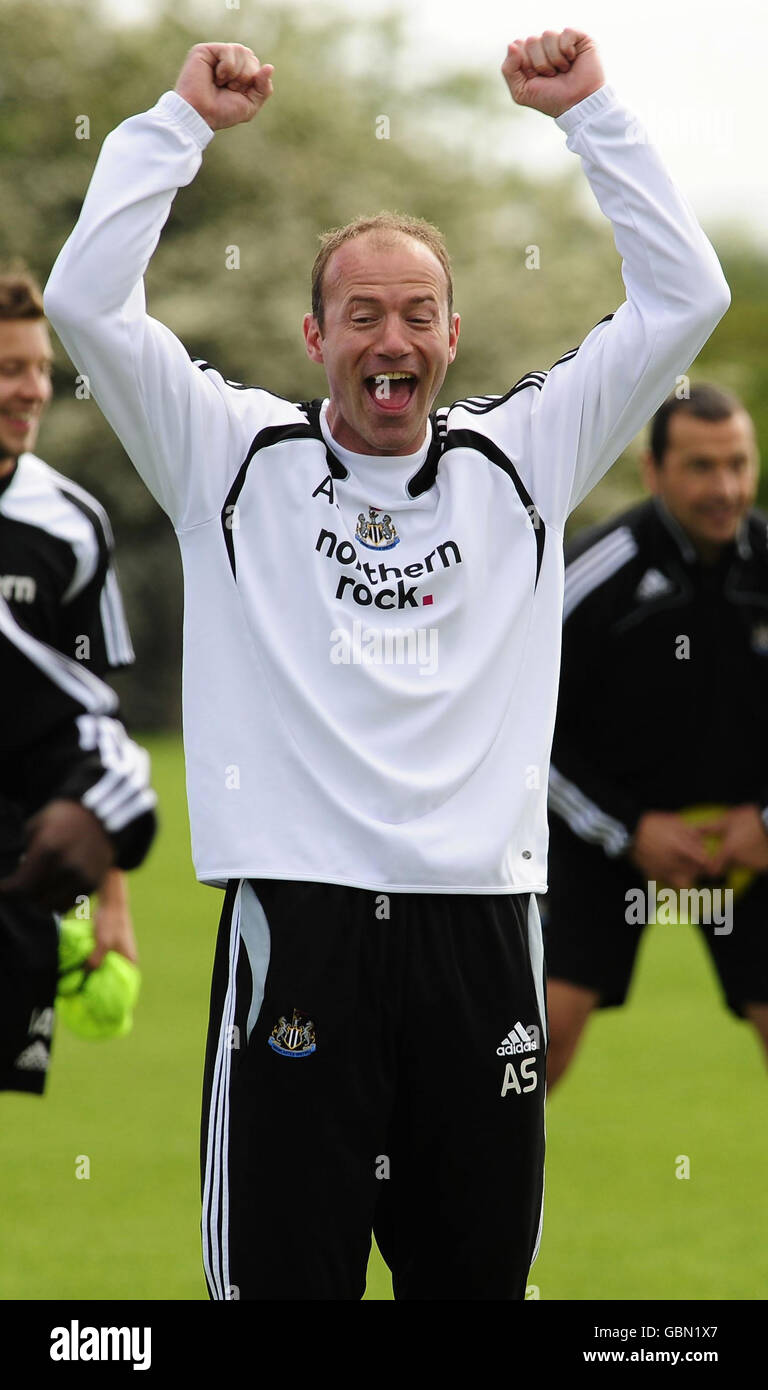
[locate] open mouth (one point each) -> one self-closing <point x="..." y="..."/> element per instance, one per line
<point x="391" y="391"/>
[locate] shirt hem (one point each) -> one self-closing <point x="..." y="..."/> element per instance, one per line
<point x="218" y="878"/>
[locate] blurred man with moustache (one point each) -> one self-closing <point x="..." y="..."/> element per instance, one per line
<point x="663" y="694"/>
<point x="56" y="569"/>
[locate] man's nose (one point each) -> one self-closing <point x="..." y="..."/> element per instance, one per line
<point x="394" y="340"/>
<point x="34" y="385"/>
<point x="726" y="486"/>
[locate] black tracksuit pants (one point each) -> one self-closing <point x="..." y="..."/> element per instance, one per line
<point x="374" y="1063"/>
<point x="29" y="976"/>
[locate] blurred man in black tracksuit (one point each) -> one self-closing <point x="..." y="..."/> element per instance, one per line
<point x="663" y="694"/>
<point x="75" y="801"/>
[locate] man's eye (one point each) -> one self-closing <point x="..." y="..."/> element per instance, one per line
<point x="421" y="320"/>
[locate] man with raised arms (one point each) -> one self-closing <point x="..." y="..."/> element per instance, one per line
<point x="377" y="1032"/>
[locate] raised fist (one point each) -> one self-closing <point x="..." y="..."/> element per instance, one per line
<point x="225" y="83"/>
<point x="554" y="71"/>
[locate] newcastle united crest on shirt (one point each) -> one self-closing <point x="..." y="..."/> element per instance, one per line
<point x="378" y="531"/>
<point x="294" y="1039"/>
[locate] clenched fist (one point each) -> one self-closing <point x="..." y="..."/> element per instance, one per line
<point x="225" y="83"/>
<point x="554" y="71"/>
<point x="667" y="849"/>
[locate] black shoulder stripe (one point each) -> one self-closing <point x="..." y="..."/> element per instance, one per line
<point x="311" y="410"/>
<point x="475" y="405"/>
<point x="424" y="479"/>
<point x="566" y="357"/>
<point x="273" y="434"/>
<point x="204" y="366"/>
<point x="440" y="420"/>
<point x="480" y="405"/>
<point x="470" y="439"/>
<point x="102" y="534"/>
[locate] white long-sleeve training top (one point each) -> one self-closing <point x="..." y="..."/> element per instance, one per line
<point x="372" y="644"/>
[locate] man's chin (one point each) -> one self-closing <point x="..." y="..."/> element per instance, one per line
<point x="723" y="532"/>
<point x="9" y="458"/>
<point x="396" y="441"/>
<point x="715" y="535"/>
<point x="398" y="433"/>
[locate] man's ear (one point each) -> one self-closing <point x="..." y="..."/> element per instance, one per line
<point x="649" y="471"/>
<point x="313" y="338"/>
<point x="453" y="336"/>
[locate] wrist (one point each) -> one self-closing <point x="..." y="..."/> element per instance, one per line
<point x="591" y="105"/>
<point x="113" y="893"/>
<point x="634" y="827"/>
<point x="180" y="112"/>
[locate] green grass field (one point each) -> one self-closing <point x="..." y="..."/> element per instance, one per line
<point x="672" y="1074"/>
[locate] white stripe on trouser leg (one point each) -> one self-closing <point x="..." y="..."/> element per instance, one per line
<point x="218" y="1126"/>
<point x="215" y="1250"/>
<point x="536" y="952"/>
<point x="254" y="933"/>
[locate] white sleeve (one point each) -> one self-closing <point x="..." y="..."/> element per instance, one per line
<point x="184" y="429"/>
<point x="592" y="403"/>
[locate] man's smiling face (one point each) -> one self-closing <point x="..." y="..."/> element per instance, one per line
<point x="386" y="341"/>
<point x="25" y="385"/>
<point x="708" y="476"/>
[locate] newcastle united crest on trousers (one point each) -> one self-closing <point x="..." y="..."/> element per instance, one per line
<point x="294" y="1039"/>
<point x="378" y="531"/>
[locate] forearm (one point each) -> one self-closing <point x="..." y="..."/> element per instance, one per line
<point x="668" y="261"/>
<point x="176" y="427"/>
<point x="91" y="760"/>
<point x="113" y="925"/>
<point x="141" y="166"/>
<point x="595" y="808"/>
<point x="113" y="892"/>
<point x="596" y="398"/>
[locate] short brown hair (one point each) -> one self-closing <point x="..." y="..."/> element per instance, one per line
<point x="705" y="402"/>
<point x="20" y="295"/>
<point x="387" y="225"/>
